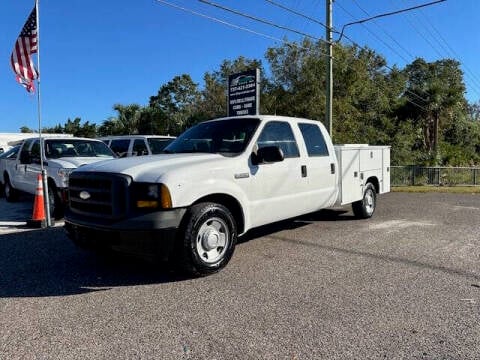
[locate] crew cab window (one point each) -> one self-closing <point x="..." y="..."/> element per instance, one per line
<point x="279" y="133"/>
<point x="314" y="140"/>
<point x="25" y="153"/>
<point x="35" y="152"/>
<point x="139" y="148"/>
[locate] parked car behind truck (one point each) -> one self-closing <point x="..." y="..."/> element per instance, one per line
<point x="61" y="156"/>
<point x="216" y="181"/>
<point x="137" y="145"/>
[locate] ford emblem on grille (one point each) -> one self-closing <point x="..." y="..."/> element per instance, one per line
<point x="84" y="195"/>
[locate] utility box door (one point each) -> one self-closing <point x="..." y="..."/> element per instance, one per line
<point x="370" y="159"/>
<point x="386" y="170"/>
<point x="350" y="183"/>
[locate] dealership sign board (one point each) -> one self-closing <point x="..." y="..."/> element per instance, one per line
<point x="244" y="93"/>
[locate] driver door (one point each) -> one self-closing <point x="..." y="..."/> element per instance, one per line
<point x="276" y="189"/>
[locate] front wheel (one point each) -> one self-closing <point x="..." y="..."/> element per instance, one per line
<point x="209" y="239"/>
<point x="54" y="202"/>
<point x="364" y="209"/>
<point x="10" y="192"/>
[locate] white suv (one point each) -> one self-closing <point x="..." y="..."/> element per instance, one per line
<point x="137" y="145"/>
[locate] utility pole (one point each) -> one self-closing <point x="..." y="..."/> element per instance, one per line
<point x="329" y="90"/>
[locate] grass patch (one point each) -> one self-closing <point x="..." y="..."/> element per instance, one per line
<point x="438" y="189"/>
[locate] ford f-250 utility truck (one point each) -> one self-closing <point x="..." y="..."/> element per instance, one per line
<point x="60" y="156"/>
<point x="216" y="181"/>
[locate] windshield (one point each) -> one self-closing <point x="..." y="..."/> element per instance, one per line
<point x="227" y="137"/>
<point x="10" y="153"/>
<point x="55" y="149"/>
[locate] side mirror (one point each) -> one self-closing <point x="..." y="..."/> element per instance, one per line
<point x="267" y="154"/>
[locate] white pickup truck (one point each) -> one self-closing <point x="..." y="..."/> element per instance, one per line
<point x="61" y="156"/>
<point x="216" y="181"/>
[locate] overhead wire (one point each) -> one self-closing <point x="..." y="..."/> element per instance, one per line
<point x="388" y="14"/>
<point x="267" y="22"/>
<point x="193" y="12"/>
<point x="451" y="52"/>
<point x="384" y="31"/>
<point x="372" y="33"/>
<point x="413" y="24"/>
<point x="238" y="27"/>
<point x="391" y="48"/>
<point x="335" y="31"/>
<point x="406" y="90"/>
<point x="296" y="13"/>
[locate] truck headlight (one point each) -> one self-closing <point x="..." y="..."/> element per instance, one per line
<point x="152" y="196"/>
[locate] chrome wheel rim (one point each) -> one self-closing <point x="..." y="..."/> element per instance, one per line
<point x="212" y="240"/>
<point x="369" y="201"/>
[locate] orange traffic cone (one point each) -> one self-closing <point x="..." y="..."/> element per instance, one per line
<point x="38" y="219"/>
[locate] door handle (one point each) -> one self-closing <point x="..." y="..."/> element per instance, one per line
<point x="332" y="168"/>
<point x="304" y="170"/>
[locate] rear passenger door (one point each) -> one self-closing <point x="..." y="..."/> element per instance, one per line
<point x="320" y="168"/>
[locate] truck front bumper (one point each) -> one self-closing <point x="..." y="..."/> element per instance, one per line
<point x="150" y="235"/>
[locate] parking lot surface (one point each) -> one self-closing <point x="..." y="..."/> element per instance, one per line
<point x="404" y="284"/>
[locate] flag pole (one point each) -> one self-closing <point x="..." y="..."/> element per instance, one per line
<point x="39" y="113"/>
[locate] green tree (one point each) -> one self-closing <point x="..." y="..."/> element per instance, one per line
<point x="26" y="130"/>
<point x="125" y="123"/>
<point x="435" y="95"/>
<point x="75" y="127"/>
<point x="176" y="101"/>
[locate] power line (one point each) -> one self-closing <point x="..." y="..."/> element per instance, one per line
<point x="268" y="37"/>
<point x="238" y="27"/>
<point x="251" y="17"/>
<point x="318" y="22"/>
<point x="297" y="13"/>
<point x="410" y="19"/>
<point x="372" y="33"/>
<point x="388" y="14"/>
<point x="391" y="69"/>
<point x="449" y="50"/>
<point x="384" y="31"/>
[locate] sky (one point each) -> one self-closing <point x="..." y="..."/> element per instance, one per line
<point x="94" y="54"/>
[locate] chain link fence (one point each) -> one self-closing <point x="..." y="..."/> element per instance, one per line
<point x="439" y="176"/>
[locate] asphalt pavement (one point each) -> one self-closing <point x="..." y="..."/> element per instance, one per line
<point x="402" y="285"/>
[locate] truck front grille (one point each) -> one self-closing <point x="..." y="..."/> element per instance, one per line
<point x="99" y="194"/>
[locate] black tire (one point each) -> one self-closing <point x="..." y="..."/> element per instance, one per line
<point x="208" y="239"/>
<point x="55" y="204"/>
<point x="11" y="194"/>
<point x="365" y="208"/>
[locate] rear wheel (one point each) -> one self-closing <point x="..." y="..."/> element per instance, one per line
<point x="365" y="208"/>
<point x="209" y="239"/>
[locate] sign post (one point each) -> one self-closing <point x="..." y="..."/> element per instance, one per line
<point x="244" y="93"/>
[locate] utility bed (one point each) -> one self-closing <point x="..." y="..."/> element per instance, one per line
<point x="357" y="163"/>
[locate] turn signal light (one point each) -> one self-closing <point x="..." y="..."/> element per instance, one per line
<point x="165" y="198"/>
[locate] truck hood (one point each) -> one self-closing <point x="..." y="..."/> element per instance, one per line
<point x="151" y="168"/>
<point x="75" y="162"/>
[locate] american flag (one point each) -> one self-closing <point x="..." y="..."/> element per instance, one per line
<point x="26" y="45"/>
